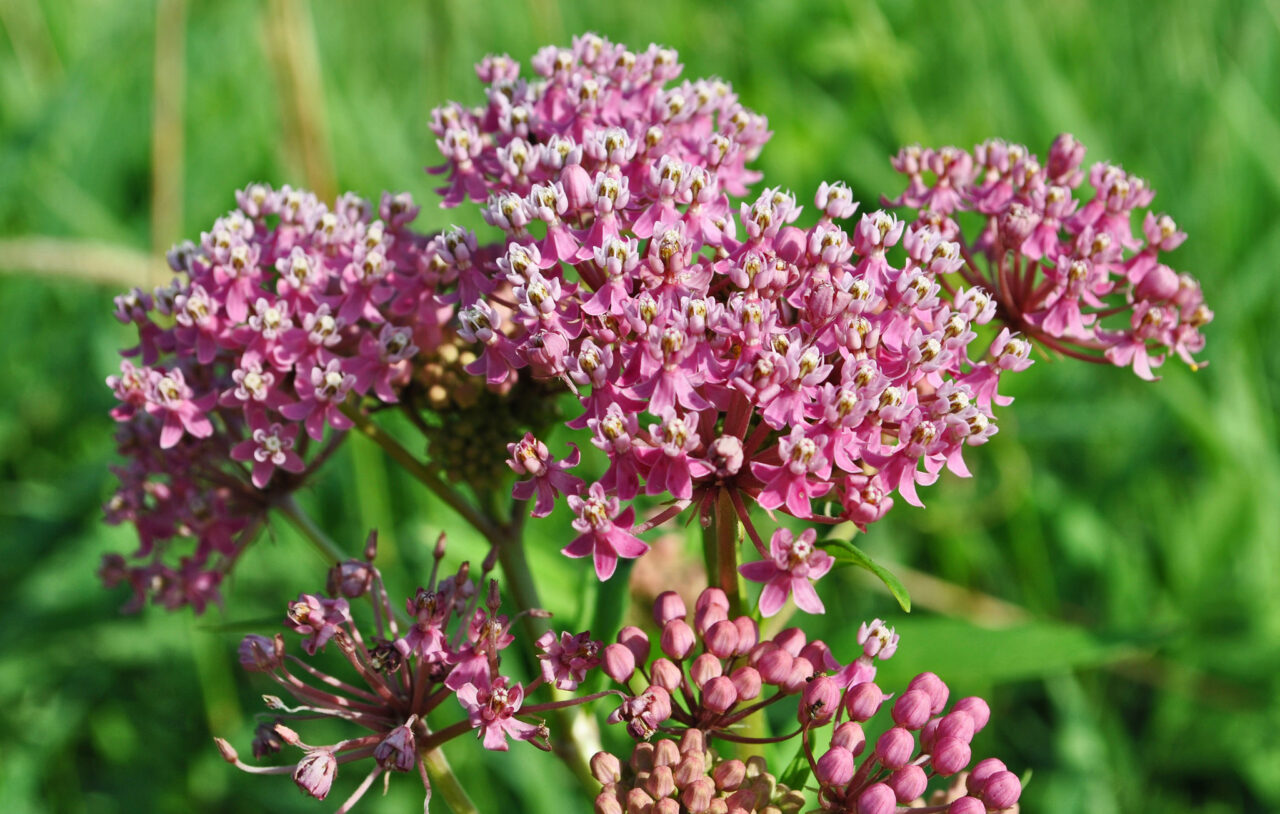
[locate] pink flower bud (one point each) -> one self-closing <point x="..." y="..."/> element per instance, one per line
<point x="725" y="455"/>
<point x="642" y="757"/>
<point x="790" y="244"/>
<point x="1160" y="283"/>
<point x="862" y="701"/>
<point x="894" y="748"/>
<point x="607" y="803"/>
<point x="692" y="766"/>
<point x="818" y="654"/>
<point x="746" y="680"/>
<point x="606" y="768"/>
<point x="977" y="709"/>
<point x="227" y="751"/>
<point x="660" y="783"/>
<point x="982" y="770"/>
<point x="791" y="640"/>
<point x="721" y="639"/>
<point x="351" y="578"/>
<point x="712" y="596"/>
<point x="619" y="662"/>
<point x="801" y="672"/>
<point x="719" y="694"/>
<point x="729" y="774"/>
<point x="819" y="701"/>
<point x="315" y="772"/>
<point x="260" y="654"/>
<point x="774" y="663"/>
<point x="665" y="674"/>
<point x="704" y="668"/>
<point x="693" y="742"/>
<point x="666" y="753"/>
<point x="678" y="639"/>
<point x="637" y="641"/>
<point x="908" y="783"/>
<point x="1065" y="156"/>
<point x="934" y="686"/>
<point x="704" y="618"/>
<point x="1001" y="790"/>
<point x="950" y="755"/>
<point x="668" y="606"/>
<point x="638" y="802"/>
<point x="850" y="736"/>
<point x="929" y="734"/>
<point x="835" y="768"/>
<point x="667" y="805"/>
<point x="956" y="724"/>
<point x="967" y="805"/>
<point x="697" y="797"/>
<point x="912" y="709"/>
<point x="398" y="751"/>
<point x="577" y="187"/>
<point x="877" y="799"/>
<point x="748" y="634"/>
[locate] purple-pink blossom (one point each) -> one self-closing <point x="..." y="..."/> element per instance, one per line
<point x="795" y="564"/>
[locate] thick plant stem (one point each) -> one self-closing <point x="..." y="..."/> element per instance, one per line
<point x="725" y="522"/>
<point x="445" y="782"/>
<point x="583" y="733"/>
<point x="303" y="523"/>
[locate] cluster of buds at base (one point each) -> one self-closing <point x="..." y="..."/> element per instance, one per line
<point x="1063" y="269"/>
<point x="713" y="671"/>
<point x="895" y="770"/>
<point x="446" y="652"/>
<point x="664" y="777"/>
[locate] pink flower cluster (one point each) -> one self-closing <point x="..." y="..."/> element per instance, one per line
<point x="448" y="646"/>
<point x="781" y="363"/>
<point x="1060" y="265"/>
<point x="284" y="309"/>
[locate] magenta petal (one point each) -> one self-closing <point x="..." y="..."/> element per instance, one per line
<point x="293" y="462"/>
<point x="262" y="473"/>
<point x="627" y="545"/>
<point x="172" y="431"/>
<point x="606" y="563"/>
<point x="759" y="571"/>
<point x="243" y="451"/>
<point x="580" y="547"/>
<point x="494" y="738"/>
<point x="806" y="597"/>
<point x="774" y="596"/>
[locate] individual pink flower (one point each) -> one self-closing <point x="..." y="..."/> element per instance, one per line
<point x="170" y="399"/>
<point x="317" y="618"/>
<point x="794" y="566"/>
<point x="315" y="772"/>
<point x="491" y="708"/>
<point x="547" y="476"/>
<point x="269" y="447"/>
<point x="566" y="659"/>
<point x="605" y="535"/>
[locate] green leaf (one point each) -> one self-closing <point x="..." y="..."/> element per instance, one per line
<point x="846" y="553"/>
<point x="974" y="656"/>
<point x="797" y="772"/>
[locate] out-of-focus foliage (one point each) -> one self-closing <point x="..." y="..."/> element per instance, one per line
<point x="1131" y="530"/>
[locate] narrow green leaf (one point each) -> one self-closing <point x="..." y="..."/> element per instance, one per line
<point x="797" y="772"/>
<point x="846" y="553"/>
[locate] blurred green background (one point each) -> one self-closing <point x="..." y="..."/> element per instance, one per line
<point x="1110" y="578"/>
